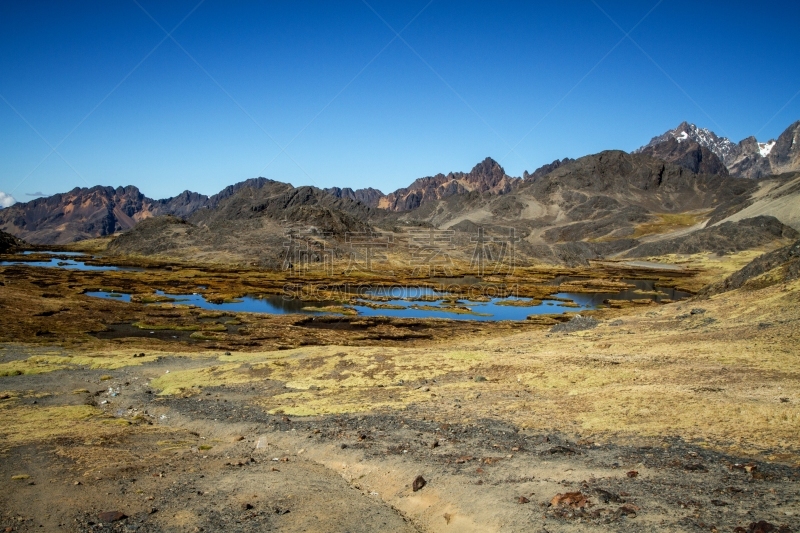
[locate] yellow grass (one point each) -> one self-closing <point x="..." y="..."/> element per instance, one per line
<point x="667" y="222"/>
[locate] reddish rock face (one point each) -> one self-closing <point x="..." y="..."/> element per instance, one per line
<point x="486" y="177"/>
<point x="88" y="213"/>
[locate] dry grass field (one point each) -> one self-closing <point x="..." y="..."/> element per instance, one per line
<point x="674" y="417"/>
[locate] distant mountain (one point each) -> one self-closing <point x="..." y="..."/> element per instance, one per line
<point x="368" y="196"/>
<point x="755" y="160"/>
<point x="546" y="169"/>
<point x="486" y="177"/>
<point x="86" y="213"/>
<point x="692" y="147"/>
<point x="688" y="154"/>
<point x="722" y="147"/>
<point x="252" y="222"/>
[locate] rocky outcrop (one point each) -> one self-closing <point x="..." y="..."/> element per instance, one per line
<point x="545" y="169"/>
<point x="85" y="213"/>
<point x="722" y="147"/>
<point x="10" y="244"/>
<point x="753" y="159"/>
<point x="726" y="237"/>
<point x="688" y="154"/>
<point x="368" y="196"/>
<point x="783" y="262"/>
<point x="486" y="177"/>
<point x="749" y="158"/>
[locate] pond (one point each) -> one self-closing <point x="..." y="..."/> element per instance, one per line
<point x="69" y="264"/>
<point x="272" y="304"/>
<point x="51" y="252"/>
<point x="422" y="302"/>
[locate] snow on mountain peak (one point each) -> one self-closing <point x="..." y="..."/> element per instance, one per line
<point x="722" y="147"/>
<point x="765" y="148"/>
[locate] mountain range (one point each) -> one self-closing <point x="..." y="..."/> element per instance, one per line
<point x="702" y="150"/>
<point x="569" y="210"/>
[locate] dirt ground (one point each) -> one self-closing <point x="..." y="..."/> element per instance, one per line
<point x="676" y="417"/>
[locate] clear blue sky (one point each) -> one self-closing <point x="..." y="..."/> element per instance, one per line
<point x="522" y="82"/>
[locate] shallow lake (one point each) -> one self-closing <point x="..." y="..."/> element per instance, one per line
<point x="69" y="264"/>
<point x="403" y="302"/>
<point x="51" y="252"/>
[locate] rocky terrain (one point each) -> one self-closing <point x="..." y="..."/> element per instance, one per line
<point x="486" y="177"/>
<point x="9" y="243"/>
<point x="590" y="208"/>
<point x="369" y="196"/>
<point x="688" y="154"/>
<point x="568" y="211"/>
<point x="723" y="238"/>
<point x="86" y="213"/>
<point x="251" y="224"/>
<point x="781" y="265"/>
<point x="688" y="146"/>
<point x="679" y="416"/>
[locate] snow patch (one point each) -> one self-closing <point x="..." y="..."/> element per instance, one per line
<point x="682" y="137"/>
<point x="765" y="148"/>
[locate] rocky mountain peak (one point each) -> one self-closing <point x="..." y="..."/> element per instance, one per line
<point x="722" y="147"/>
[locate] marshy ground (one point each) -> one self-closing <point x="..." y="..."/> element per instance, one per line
<point x="663" y="417"/>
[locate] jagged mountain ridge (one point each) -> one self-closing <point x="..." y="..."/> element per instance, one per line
<point x="722" y="147"/>
<point x="749" y="158"/>
<point x="369" y="196"/>
<point x="250" y="224"/>
<point x="85" y="213"/>
<point x="484" y="195"/>
<point x="486" y="176"/>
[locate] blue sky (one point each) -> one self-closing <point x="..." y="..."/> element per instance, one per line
<point x="326" y="93"/>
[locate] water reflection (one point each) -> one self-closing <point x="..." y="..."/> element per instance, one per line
<point x="69" y="264"/>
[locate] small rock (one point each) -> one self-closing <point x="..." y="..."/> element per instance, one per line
<point x="523" y="499"/>
<point x="111" y="516"/>
<point x="695" y="467"/>
<point x="632" y="473"/>
<point x="762" y="526"/>
<point x="480" y="378"/>
<point x="247" y="506"/>
<point x="419" y="483"/>
<point x="237" y="438"/>
<point x="576" y="500"/>
<point x="605" y="496"/>
<point x="628" y="509"/>
<point x="435" y="444"/>
<point x="559" y="449"/>
<point x="697" y="311"/>
<point x="577" y="323"/>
